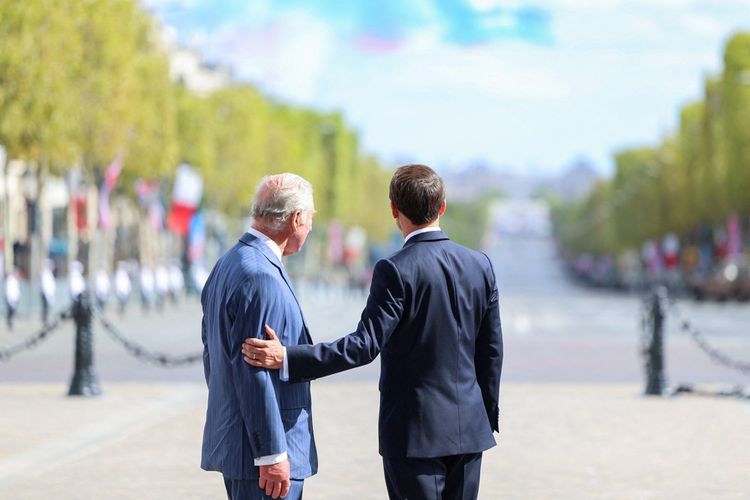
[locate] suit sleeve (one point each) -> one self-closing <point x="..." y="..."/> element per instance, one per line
<point x="379" y="319"/>
<point x="254" y="305"/>
<point x="488" y="357"/>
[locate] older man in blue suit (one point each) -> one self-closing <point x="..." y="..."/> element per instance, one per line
<point x="433" y="316"/>
<point x="258" y="430"/>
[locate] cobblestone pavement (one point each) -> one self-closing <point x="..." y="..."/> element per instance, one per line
<point x="568" y="441"/>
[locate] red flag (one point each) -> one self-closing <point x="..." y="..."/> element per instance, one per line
<point x="179" y="218"/>
<point x="188" y="189"/>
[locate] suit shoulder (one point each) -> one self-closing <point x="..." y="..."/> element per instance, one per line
<point x="247" y="268"/>
<point x="471" y="253"/>
<point x="474" y="258"/>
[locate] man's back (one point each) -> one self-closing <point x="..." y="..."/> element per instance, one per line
<point x="251" y="413"/>
<point x="432" y="403"/>
<point x="433" y="314"/>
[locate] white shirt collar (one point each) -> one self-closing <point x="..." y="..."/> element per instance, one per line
<point x="428" y="229"/>
<point x="267" y="241"/>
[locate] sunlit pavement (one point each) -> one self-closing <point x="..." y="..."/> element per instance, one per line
<point x="568" y="441"/>
<point x="574" y="424"/>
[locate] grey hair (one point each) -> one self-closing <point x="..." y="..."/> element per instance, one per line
<point x="278" y="197"/>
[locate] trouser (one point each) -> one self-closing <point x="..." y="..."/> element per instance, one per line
<point x="45" y="309"/>
<point x="455" y="477"/>
<point x="238" y="489"/>
<point x="10" y="312"/>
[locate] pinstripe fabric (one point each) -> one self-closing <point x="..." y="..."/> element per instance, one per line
<point x="251" y="412"/>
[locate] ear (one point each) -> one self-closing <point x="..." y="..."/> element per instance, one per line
<point x="297" y="219"/>
<point x="394" y="210"/>
<point x="442" y="208"/>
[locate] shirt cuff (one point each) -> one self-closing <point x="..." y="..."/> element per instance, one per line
<point x="284" y="375"/>
<point x="270" y="459"/>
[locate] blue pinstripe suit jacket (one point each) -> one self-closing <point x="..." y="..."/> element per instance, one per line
<point x="251" y="412"/>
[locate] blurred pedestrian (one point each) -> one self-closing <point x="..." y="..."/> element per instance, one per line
<point x="162" y="285"/>
<point x="48" y="287"/>
<point x="199" y="275"/>
<point x="76" y="281"/>
<point x="102" y="288"/>
<point x="147" y="287"/>
<point x="123" y="286"/>
<point x="176" y="281"/>
<point x="12" y="296"/>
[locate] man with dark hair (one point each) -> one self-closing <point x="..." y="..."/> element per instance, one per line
<point x="433" y="315"/>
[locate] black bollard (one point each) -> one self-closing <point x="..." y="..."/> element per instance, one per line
<point x="655" y="348"/>
<point x="85" y="381"/>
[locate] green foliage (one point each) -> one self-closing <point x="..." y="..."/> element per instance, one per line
<point x="41" y="57"/>
<point x="81" y="82"/>
<point x="466" y="222"/>
<point x="699" y="175"/>
<point x="735" y="88"/>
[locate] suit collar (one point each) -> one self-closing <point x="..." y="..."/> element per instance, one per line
<point x="255" y="242"/>
<point x="266" y="240"/>
<point x="429" y="236"/>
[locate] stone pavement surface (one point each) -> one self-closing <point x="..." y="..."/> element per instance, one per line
<point x="558" y="441"/>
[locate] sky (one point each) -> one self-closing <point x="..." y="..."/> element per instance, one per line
<point x="527" y="86"/>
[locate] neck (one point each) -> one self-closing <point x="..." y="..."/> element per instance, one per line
<point x="407" y="227"/>
<point x="277" y="238"/>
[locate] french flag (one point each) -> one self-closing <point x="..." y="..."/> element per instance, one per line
<point x="188" y="189"/>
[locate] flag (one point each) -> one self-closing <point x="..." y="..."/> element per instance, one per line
<point x="188" y="189"/>
<point x="147" y="191"/>
<point x="734" y="235"/>
<point x="108" y="185"/>
<point x="196" y="238"/>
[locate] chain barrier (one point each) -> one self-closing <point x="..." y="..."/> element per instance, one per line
<point x="34" y="340"/>
<point x="716" y="355"/>
<point x="142" y="353"/>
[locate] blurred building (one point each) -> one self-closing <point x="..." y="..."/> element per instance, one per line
<point x="33" y="214"/>
<point x="187" y="67"/>
<point x="576" y="181"/>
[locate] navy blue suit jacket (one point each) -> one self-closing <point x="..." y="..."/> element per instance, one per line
<point x="251" y="412"/>
<point x="433" y="315"/>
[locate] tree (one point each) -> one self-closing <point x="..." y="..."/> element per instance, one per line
<point x="637" y="213"/>
<point x="735" y="91"/>
<point x="40" y="59"/>
<point x="712" y="176"/>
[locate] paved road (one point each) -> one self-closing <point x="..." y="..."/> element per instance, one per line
<point x="555" y="331"/>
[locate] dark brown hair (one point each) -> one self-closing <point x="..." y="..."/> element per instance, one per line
<point x="417" y="191"/>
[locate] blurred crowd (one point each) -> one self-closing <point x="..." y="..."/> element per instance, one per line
<point x="710" y="263"/>
<point x="151" y="288"/>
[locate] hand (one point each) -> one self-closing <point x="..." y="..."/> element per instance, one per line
<point x="264" y="353"/>
<point x="274" y="479"/>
